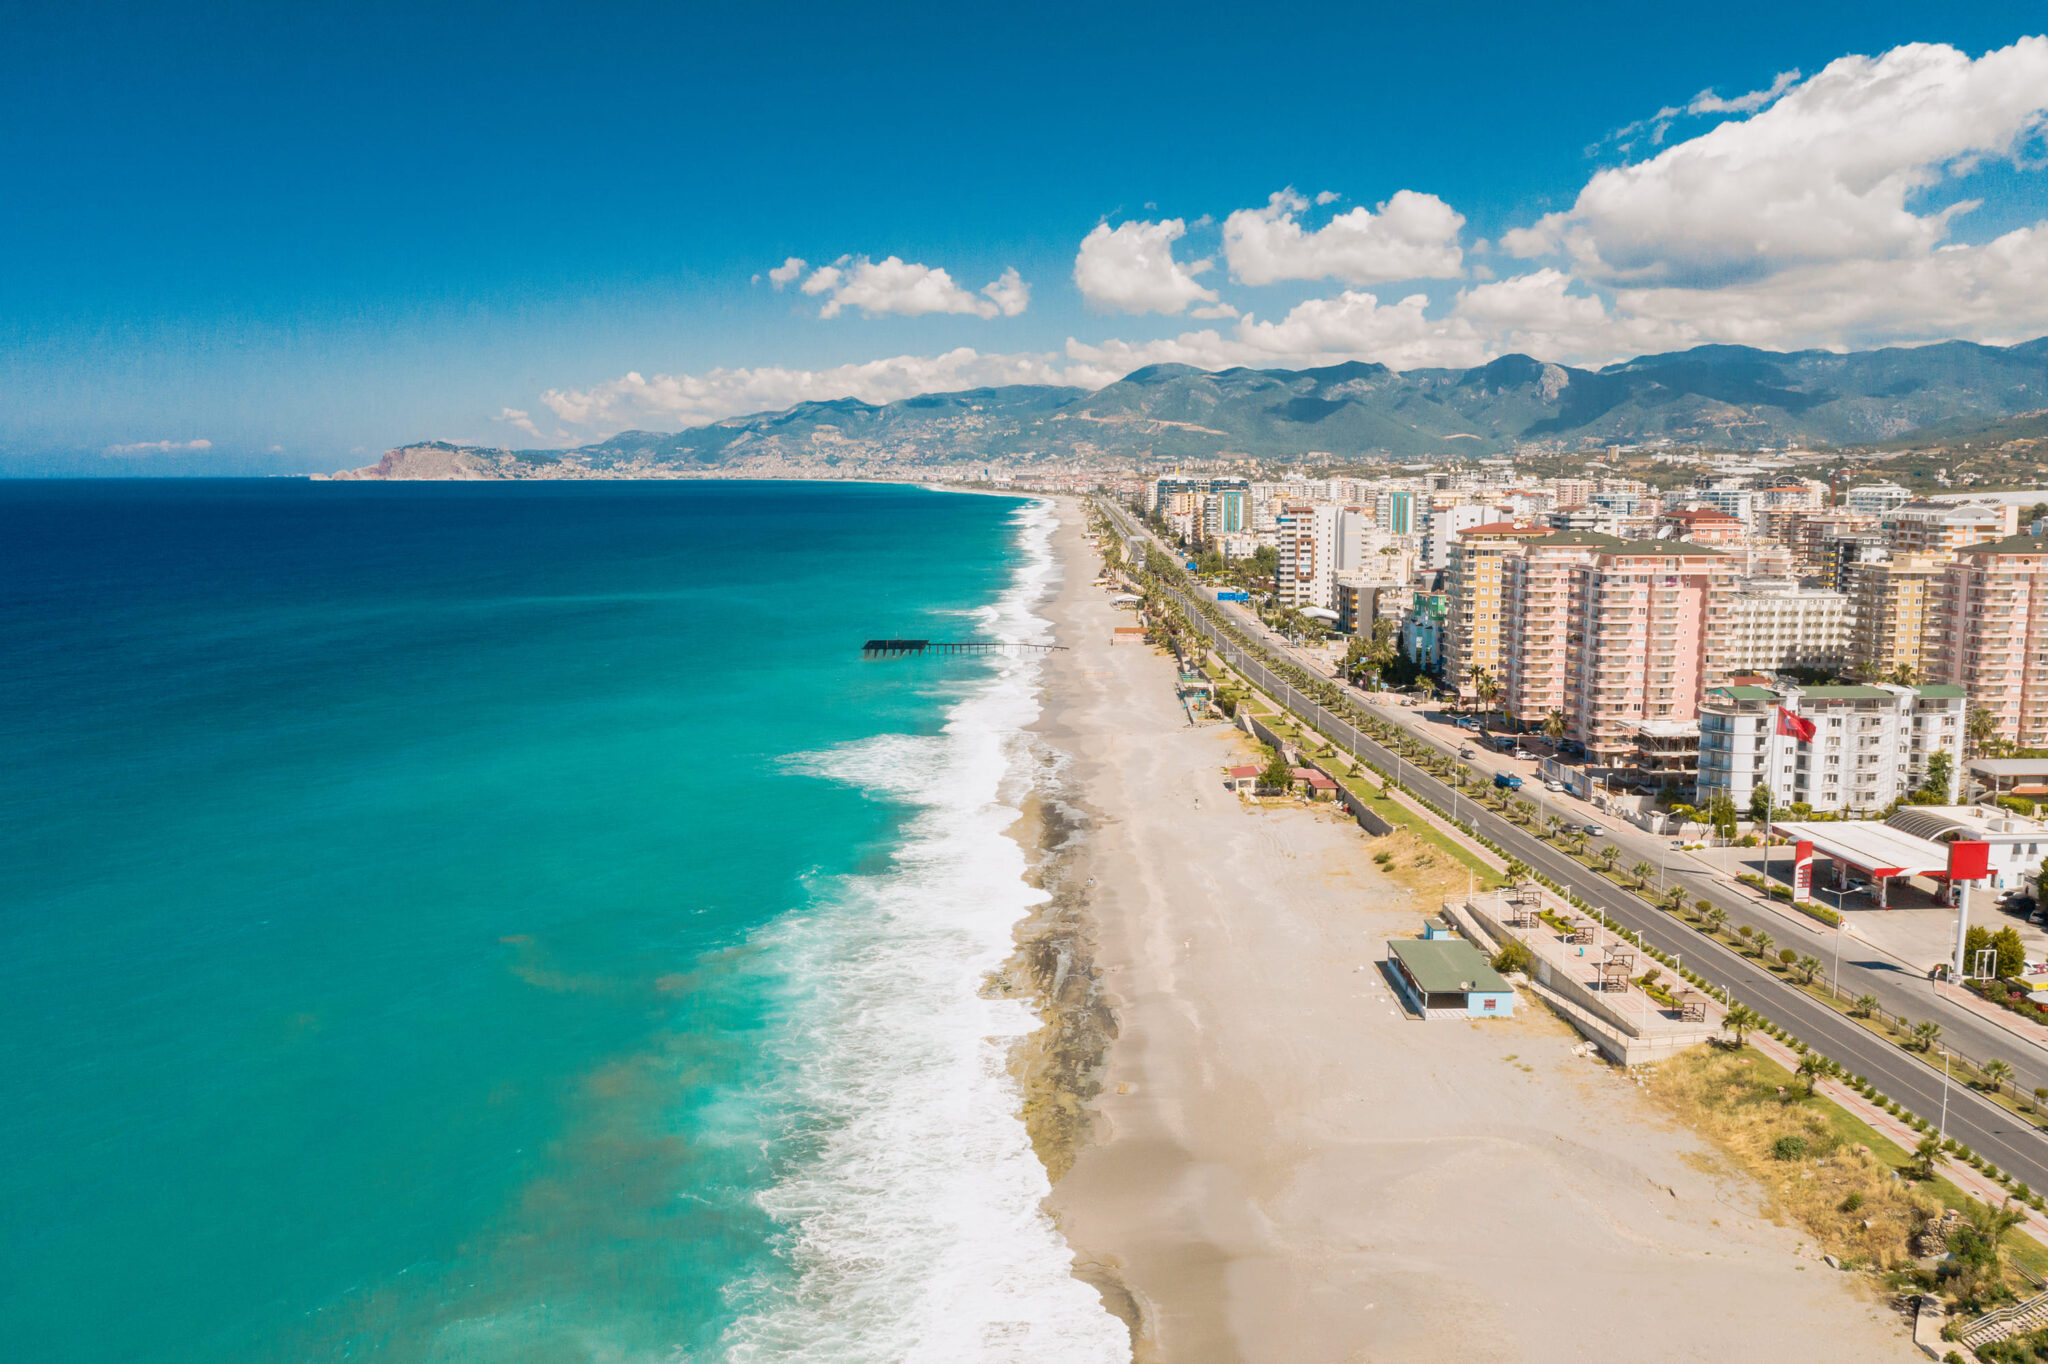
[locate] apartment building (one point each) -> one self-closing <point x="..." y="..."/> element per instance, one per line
<point x="1893" y="596"/>
<point x="1701" y="525"/>
<point x="1442" y="526"/>
<point x="1615" y="634"/>
<point x="1939" y="527"/>
<point x="1306" y="573"/>
<point x="1871" y="744"/>
<point x="1875" y="499"/>
<point x="1807" y="533"/>
<point x="1651" y="618"/>
<point x="1474" y="630"/>
<point x="1776" y="623"/>
<point x="1992" y="612"/>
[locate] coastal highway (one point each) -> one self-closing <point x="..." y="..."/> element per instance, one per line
<point x="2000" y="1137"/>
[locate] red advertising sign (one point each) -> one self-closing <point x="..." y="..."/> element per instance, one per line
<point x="1968" y="860"/>
<point x="1802" y="869"/>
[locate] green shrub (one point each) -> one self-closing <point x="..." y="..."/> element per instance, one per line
<point x="1789" y="1148"/>
<point x="1853" y="1201"/>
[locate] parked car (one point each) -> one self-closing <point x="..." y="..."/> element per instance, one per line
<point x="1553" y="784"/>
<point x="1594" y="831"/>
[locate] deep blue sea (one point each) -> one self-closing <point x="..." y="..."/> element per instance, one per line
<point x="509" y="922"/>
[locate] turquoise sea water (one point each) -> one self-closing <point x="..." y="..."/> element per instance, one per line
<point x="509" y="922"/>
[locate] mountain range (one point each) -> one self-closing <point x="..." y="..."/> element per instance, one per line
<point x="1729" y="397"/>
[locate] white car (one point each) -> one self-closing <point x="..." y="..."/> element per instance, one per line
<point x="1553" y="785"/>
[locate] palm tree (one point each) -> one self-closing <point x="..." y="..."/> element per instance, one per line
<point x="1809" y="967"/>
<point x="1813" y="1068"/>
<point x="1761" y="944"/>
<point x="1982" y="730"/>
<point x="1674" y="898"/>
<point x="1865" y="1006"/>
<point x="1609" y="855"/>
<point x="1716" y="918"/>
<point x="1551" y="825"/>
<point x="1554" y="725"/>
<point x="1996" y="1073"/>
<point x="1739" y="1019"/>
<point x="1925" y="1035"/>
<point x="1516" y="871"/>
<point x="1642" y="872"/>
<point x="1925" y="1154"/>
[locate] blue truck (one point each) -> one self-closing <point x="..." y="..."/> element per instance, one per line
<point x="1507" y="781"/>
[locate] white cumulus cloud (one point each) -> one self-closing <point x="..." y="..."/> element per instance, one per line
<point x="1130" y="269"/>
<point x="1830" y="172"/>
<point x="517" y="418"/>
<point x="160" y="447"/>
<point x="786" y="272"/>
<point x="1707" y="102"/>
<point x="1413" y="236"/>
<point x="906" y="288"/>
<point x="696" y="399"/>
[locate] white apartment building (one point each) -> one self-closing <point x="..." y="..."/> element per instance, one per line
<point x="1774" y="624"/>
<point x="1943" y="527"/>
<point x="1442" y="525"/>
<point x="1306" y="574"/>
<point x="1870" y="744"/>
<point x="1875" y="499"/>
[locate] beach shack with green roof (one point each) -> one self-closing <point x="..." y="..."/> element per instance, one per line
<point x="1448" y="978"/>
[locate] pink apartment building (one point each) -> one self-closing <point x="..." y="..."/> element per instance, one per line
<point x="1992" y="611"/>
<point x="1615" y="634"/>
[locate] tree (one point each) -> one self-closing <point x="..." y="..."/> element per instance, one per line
<point x="1721" y="814"/>
<point x="1761" y="944"/>
<point x="1865" y="1006"/>
<point x="1516" y="871"/>
<point x="2012" y="952"/>
<point x="1996" y="1074"/>
<point x="1982" y="731"/>
<point x="1674" y="898"/>
<point x="1760" y="803"/>
<point x="1514" y="955"/>
<point x="1740" y="1019"/>
<point x="1809" y="967"/>
<point x="1976" y="1248"/>
<point x="1279" y="775"/>
<point x="1554" y="725"/>
<point x="1813" y="1068"/>
<point x="1925" y="1035"/>
<point x="1941" y="768"/>
<point x="1717" y="918"/>
<point x="1925" y="1154"/>
<point x="1551" y="825"/>
<point x="1609" y="855"/>
<point x="1642" y="872"/>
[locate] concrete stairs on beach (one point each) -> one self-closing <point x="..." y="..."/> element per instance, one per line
<point x="2016" y="1320"/>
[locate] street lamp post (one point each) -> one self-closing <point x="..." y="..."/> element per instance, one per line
<point x="1841" y="927"/>
<point x="1944" y="1094"/>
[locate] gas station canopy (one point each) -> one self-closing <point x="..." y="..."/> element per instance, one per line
<point x="1878" y="849"/>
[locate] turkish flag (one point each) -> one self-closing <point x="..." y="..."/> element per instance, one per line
<point x="1794" y="726"/>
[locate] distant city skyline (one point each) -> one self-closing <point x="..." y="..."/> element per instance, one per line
<point x="268" y="242"/>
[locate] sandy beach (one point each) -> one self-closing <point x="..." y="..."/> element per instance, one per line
<point x="1273" y="1162"/>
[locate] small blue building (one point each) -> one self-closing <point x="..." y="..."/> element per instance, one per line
<point x="1443" y="976"/>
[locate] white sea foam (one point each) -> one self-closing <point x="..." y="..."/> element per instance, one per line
<point x="910" y="1202"/>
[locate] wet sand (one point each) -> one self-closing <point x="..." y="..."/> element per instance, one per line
<point x="1272" y="1162"/>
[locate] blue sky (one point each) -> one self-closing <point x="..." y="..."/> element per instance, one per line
<point x="273" y="237"/>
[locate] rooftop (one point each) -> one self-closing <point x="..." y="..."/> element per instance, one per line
<point x="2011" y="544"/>
<point x="1448" y="965"/>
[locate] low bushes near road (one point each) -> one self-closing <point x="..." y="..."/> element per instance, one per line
<point x="1866" y="1200"/>
<point x="1820" y="1166"/>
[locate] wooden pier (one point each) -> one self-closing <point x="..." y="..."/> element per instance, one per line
<point x="901" y="648"/>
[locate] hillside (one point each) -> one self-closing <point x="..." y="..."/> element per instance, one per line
<point x="1723" y="396"/>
